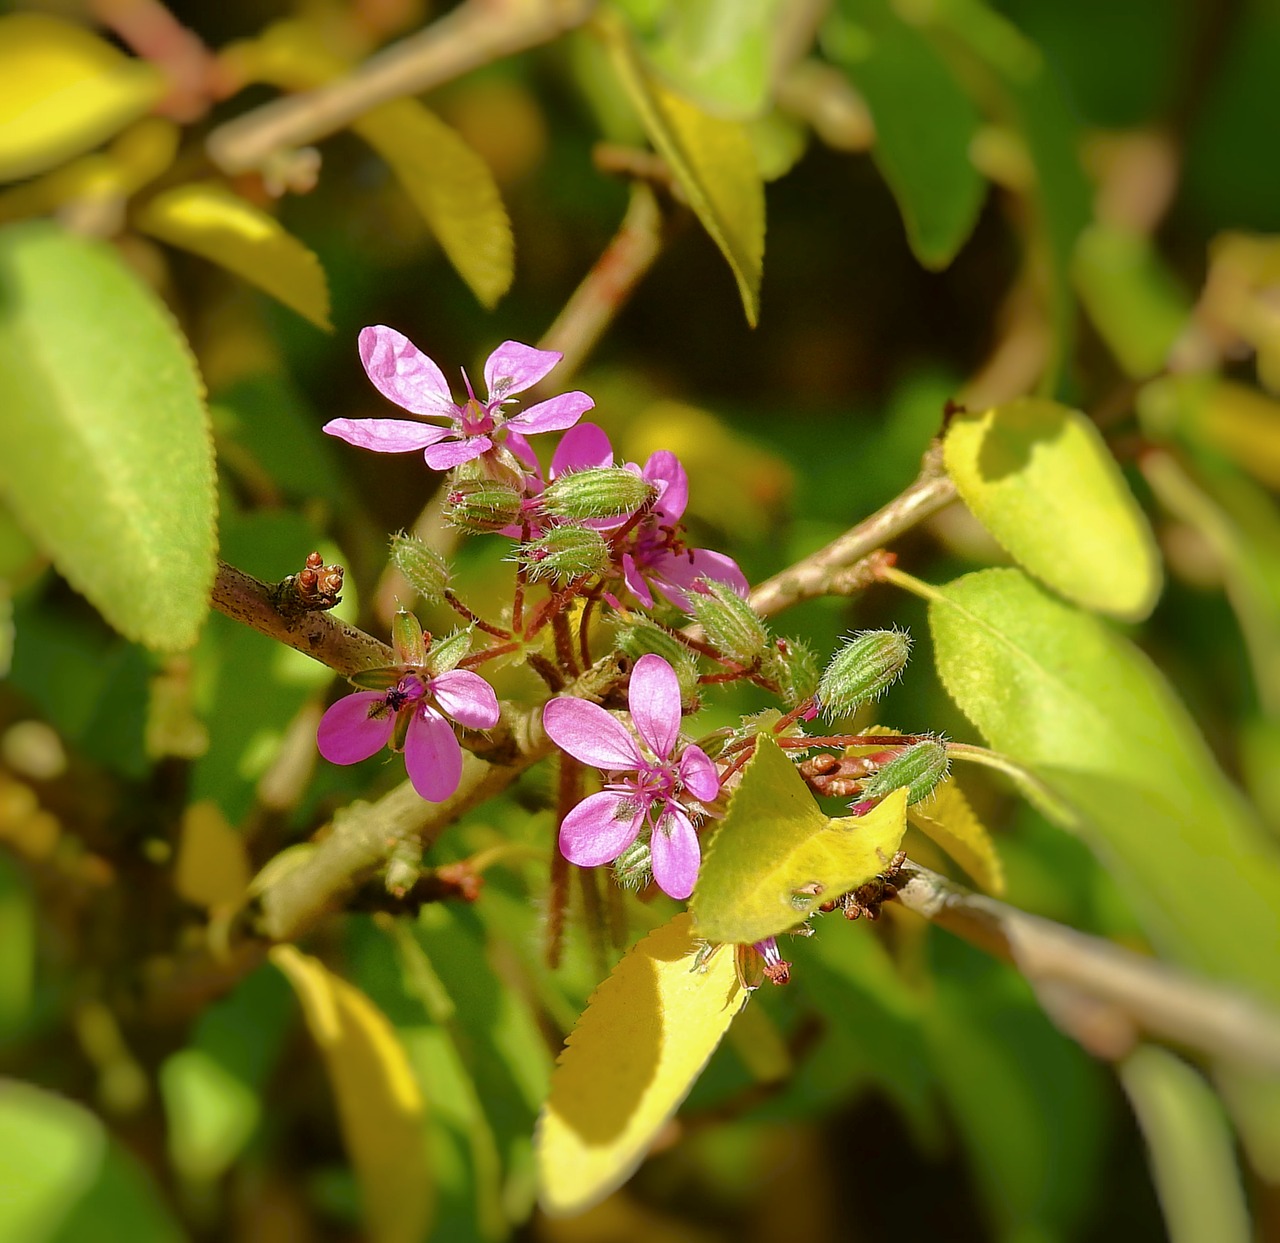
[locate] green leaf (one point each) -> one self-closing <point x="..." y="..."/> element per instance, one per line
<point x="949" y="821"/>
<point x="453" y="189"/>
<point x="718" y="52"/>
<point x="776" y="857"/>
<point x="1060" y="693"/>
<point x="1040" y="478"/>
<point x="65" y="91"/>
<point x="713" y="161"/>
<point x="643" y="1039"/>
<point x="925" y="124"/>
<point x="1189" y="1147"/>
<point x="104" y="446"/>
<point x="210" y="221"/>
<point x="65" y="1181"/>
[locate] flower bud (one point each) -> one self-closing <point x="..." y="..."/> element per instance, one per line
<point x="601" y="492"/>
<point x="480" y="505"/>
<point x="731" y="625"/>
<point x="406" y="638"/>
<point x="447" y="653"/>
<point x="867" y="665"/>
<point x="424" y="569"/>
<point x="791" y="665"/>
<point x="377" y="679"/>
<point x="564" y="553"/>
<point x="919" y="767"/>
<point x="633" y="868"/>
<point x="643" y="637"/>
<point x="403" y="868"/>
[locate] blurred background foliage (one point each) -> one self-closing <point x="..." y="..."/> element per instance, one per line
<point x="965" y="200"/>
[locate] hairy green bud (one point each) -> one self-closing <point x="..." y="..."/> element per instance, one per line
<point x="633" y="868"/>
<point x="791" y="665"/>
<point x="642" y="637"/>
<point x="731" y="625"/>
<point x="406" y="638"/>
<point x="424" y="569"/>
<point x="564" y="553"/>
<point x="867" y="665"/>
<point x="601" y="492"/>
<point x="482" y="505"/>
<point x="919" y="767"/>
<point x="447" y="653"/>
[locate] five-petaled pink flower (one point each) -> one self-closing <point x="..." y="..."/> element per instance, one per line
<point x="406" y="376"/>
<point x="645" y="786"/>
<point x="411" y="716"/>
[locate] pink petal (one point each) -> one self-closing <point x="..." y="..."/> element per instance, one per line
<point x="520" y="447"/>
<point x="403" y="373"/>
<point x="466" y="697"/>
<point x="635" y="580"/>
<point x="654" y="700"/>
<point x="446" y="456"/>
<point x="513" y="367"/>
<point x="664" y="469"/>
<point x="581" y="448"/>
<point x="676" y="574"/>
<point x="715" y="565"/>
<point x="386" y="435"/>
<point x="698" y="774"/>
<point x="348" y="734"/>
<point x="591" y="735"/>
<point x="675" y="853"/>
<point x="553" y="415"/>
<point x="600" y="828"/>
<point x="432" y="756"/>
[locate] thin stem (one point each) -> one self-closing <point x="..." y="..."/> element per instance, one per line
<point x="564" y="642"/>
<point x="522" y="578"/>
<point x="568" y="795"/>
<point x="478" y="622"/>
<point x="584" y="626"/>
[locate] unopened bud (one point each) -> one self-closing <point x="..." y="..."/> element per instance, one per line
<point x="791" y="665"/>
<point x="404" y="867"/>
<point x="564" y="553"/>
<point x="447" y="653"/>
<point x="643" y="638"/>
<point x="377" y="679"/>
<point x="424" y="569"/>
<point x="633" y="868"/>
<point x="919" y="767"/>
<point x="406" y="638"/>
<point x="601" y="492"/>
<point x="481" y="505"/>
<point x="731" y="625"/>
<point x="867" y="665"/>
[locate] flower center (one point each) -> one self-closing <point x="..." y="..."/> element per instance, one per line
<point x="474" y="419"/>
<point x="652" y="541"/>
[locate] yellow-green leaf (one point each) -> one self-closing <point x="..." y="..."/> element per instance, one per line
<point x="379" y="1104"/>
<point x="212" y="868"/>
<point x="632" y="1057"/>
<point x="1040" y="478"/>
<point x="712" y="159"/>
<point x="453" y="189"/>
<point x="210" y="221"/>
<point x="776" y="857"/>
<point x="64" y="91"/>
<point x="948" y="820"/>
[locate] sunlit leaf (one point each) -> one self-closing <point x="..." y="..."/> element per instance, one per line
<point x="210" y="221"/>
<point x="718" y="52"/>
<point x="66" y="1181"/>
<point x="643" y="1039"/>
<point x="104" y="447"/>
<point x="1060" y="693"/>
<point x="1040" y="478"/>
<point x="212" y="868"/>
<point x="948" y="820"/>
<point x="925" y="124"/>
<point x="1189" y="1148"/>
<point x="713" y="161"/>
<point x="379" y="1102"/>
<point x="776" y="857"/>
<point x="64" y="91"/>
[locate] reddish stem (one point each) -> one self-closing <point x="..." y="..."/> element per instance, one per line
<point x="479" y="623"/>
<point x="568" y="794"/>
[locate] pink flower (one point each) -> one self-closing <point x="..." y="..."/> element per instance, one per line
<point x="645" y="787"/>
<point x="411" y="717"/>
<point x="406" y="376"/>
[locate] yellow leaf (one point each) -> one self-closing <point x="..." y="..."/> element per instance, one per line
<point x="1242" y="423"/>
<point x="453" y="189"/>
<point x="948" y="820"/>
<point x="220" y="226"/>
<point x="635" y="1052"/>
<point x="712" y="159"/>
<point x="64" y="91"/>
<point x="379" y="1105"/>
<point x="212" y="868"/>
